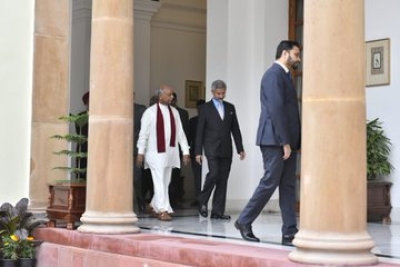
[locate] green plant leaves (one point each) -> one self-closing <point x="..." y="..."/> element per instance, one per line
<point x="378" y="151"/>
<point x="77" y="140"/>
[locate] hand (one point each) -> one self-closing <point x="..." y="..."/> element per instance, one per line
<point x="199" y="159"/>
<point x="286" y="151"/>
<point x="139" y="160"/>
<point x="186" y="159"/>
<point x="242" y="155"/>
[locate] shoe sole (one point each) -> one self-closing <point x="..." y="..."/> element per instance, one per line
<point x="218" y="218"/>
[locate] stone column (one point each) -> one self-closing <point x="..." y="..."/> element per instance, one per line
<point x="333" y="174"/>
<point x="109" y="184"/>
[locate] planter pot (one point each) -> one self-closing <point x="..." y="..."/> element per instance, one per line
<point x="67" y="203"/>
<point x="379" y="205"/>
<point x="27" y="262"/>
<point x="8" y="263"/>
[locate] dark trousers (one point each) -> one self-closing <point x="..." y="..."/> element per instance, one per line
<point x="147" y="190"/>
<point x="217" y="178"/>
<point x="176" y="188"/>
<point x="196" y="169"/>
<point x="138" y="200"/>
<point x="277" y="172"/>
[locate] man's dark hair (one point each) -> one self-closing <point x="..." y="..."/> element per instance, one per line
<point x="85" y="98"/>
<point x="285" y="45"/>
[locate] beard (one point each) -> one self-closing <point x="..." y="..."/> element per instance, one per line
<point x="293" y="64"/>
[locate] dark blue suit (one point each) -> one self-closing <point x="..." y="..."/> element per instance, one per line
<point x="279" y="124"/>
<point x="214" y="134"/>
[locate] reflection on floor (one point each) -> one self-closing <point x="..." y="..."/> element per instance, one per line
<point x="267" y="227"/>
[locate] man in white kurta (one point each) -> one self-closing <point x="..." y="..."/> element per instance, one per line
<point x="161" y="163"/>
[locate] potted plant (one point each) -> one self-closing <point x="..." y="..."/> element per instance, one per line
<point x="18" y="251"/>
<point x="26" y="251"/>
<point x="9" y="251"/>
<point x="378" y="167"/>
<point x="16" y="226"/>
<point x="68" y="197"/>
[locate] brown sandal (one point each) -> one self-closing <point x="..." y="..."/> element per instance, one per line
<point x="151" y="211"/>
<point x="164" y="216"/>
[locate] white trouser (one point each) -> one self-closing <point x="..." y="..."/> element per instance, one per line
<point x="161" y="179"/>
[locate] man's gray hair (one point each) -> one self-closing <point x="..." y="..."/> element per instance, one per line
<point x="218" y="84"/>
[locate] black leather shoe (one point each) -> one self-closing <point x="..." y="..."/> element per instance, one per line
<point x="220" y="216"/>
<point x="203" y="210"/>
<point x="287" y="240"/>
<point x="246" y="232"/>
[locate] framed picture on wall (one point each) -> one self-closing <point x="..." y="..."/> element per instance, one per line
<point x="378" y="62"/>
<point x="193" y="91"/>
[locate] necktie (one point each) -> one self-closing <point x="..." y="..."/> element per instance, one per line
<point x="221" y="109"/>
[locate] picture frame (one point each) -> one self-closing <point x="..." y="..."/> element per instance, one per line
<point x="377" y="62"/>
<point x="194" y="91"/>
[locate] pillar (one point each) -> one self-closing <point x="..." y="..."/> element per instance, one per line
<point x="333" y="172"/>
<point x="109" y="183"/>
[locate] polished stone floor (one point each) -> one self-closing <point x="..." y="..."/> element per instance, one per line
<point x="267" y="227"/>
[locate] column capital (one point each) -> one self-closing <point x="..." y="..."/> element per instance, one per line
<point x="145" y="9"/>
<point x="81" y="9"/>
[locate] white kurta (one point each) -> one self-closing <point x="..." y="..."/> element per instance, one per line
<point x="147" y="142"/>
<point x="161" y="164"/>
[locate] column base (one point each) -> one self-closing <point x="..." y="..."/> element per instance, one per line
<point x="109" y="224"/>
<point x="38" y="206"/>
<point x="333" y="248"/>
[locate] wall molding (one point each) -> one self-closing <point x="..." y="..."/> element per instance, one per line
<point x="192" y="16"/>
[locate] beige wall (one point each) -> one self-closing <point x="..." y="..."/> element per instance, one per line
<point x="178" y="46"/>
<point x="50" y="95"/>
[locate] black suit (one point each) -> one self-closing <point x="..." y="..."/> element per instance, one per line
<point x="175" y="189"/>
<point x="137" y="184"/>
<point x="184" y="116"/>
<point x="196" y="167"/>
<point x="81" y="163"/>
<point x="214" y="134"/>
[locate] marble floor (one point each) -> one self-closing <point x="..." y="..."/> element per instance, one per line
<point x="187" y="222"/>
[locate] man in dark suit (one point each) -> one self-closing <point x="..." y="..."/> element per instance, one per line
<point x="82" y="128"/>
<point x="279" y="139"/>
<point x="176" y="190"/>
<point x="196" y="167"/>
<point x="140" y="202"/>
<point x="217" y="122"/>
